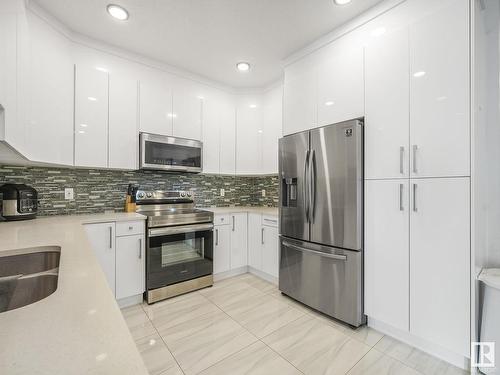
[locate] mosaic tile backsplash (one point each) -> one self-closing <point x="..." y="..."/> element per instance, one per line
<point x="99" y="190"/>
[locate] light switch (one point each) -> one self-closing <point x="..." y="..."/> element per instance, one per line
<point x="222" y="192"/>
<point x="263" y="192"/>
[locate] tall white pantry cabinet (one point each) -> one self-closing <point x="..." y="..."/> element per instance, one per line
<point x="417" y="188"/>
<point x="416" y="106"/>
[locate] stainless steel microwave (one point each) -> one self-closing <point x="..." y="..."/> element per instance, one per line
<point x="163" y="152"/>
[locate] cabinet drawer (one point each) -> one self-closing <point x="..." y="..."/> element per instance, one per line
<point x="129" y="228"/>
<point x="222" y="219"/>
<point x="270" y="220"/>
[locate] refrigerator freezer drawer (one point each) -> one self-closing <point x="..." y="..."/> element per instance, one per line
<point x="324" y="278"/>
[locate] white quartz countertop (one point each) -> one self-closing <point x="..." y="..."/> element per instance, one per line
<point x="250" y="209"/>
<point x="79" y="328"/>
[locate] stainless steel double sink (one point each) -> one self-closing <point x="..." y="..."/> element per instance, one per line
<point x="28" y="276"/>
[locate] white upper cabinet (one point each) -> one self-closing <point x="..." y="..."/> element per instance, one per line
<point x="227" y="128"/>
<point x="187" y="109"/>
<point x="248" y="136"/>
<point x="123" y="129"/>
<point x="49" y="118"/>
<point x="271" y="129"/>
<point x="387" y="253"/>
<point x="387" y="107"/>
<point x="439" y="92"/>
<point x="440" y="262"/>
<point x="300" y="110"/>
<point x="340" y="84"/>
<point x="156" y="114"/>
<point x="8" y="71"/>
<point x="211" y="134"/>
<point x="91" y="117"/>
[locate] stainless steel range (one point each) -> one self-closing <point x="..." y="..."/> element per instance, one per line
<point x="179" y="251"/>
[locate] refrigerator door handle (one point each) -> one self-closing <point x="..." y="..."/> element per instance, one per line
<point x="312" y="185"/>
<point x="320" y="253"/>
<point x="306" y="185"/>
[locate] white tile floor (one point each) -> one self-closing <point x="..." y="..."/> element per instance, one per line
<point x="244" y="325"/>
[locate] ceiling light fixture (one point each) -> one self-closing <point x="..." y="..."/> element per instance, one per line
<point x="329" y="103"/>
<point x="341" y="2"/>
<point x="419" y="74"/>
<point x="243" y="66"/>
<point x="253" y="106"/>
<point x="117" y="12"/>
<point x="378" y="31"/>
<point x="92" y="99"/>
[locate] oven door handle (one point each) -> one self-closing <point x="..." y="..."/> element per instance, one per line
<point x="179" y="230"/>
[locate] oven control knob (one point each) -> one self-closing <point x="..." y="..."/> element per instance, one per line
<point x="189" y="193"/>
<point x="183" y="194"/>
<point x="149" y="194"/>
<point x="140" y="195"/>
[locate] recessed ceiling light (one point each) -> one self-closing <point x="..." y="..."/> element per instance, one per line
<point x="92" y="99"/>
<point x="101" y="69"/>
<point x="117" y="12"/>
<point x="243" y="66"/>
<point x="253" y="106"/>
<point x="341" y="2"/>
<point x="329" y="103"/>
<point x="419" y="74"/>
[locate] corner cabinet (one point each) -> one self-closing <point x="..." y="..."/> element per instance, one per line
<point x="120" y="249"/>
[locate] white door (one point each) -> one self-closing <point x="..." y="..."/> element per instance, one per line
<point x="123" y="129"/>
<point x="439" y="93"/>
<point x="387" y="91"/>
<point x="248" y="136"/>
<point x="270" y="252"/>
<point x="156" y="114"/>
<point x="271" y="129"/>
<point x="102" y="240"/>
<point x="130" y="266"/>
<point x="439" y="262"/>
<point x="239" y="235"/>
<point x="387" y="253"/>
<point x="91" y="117"/>
<point x="227" y="124"/>
<point x="187" y="107"/>
<point x="49" y="118"/>
<point x="255" y="241"/>
<point x="211" y="133"/>
<point x="222" y="248"/>
<point x="300" y="96"/>
<point x="8" y="70"/>
<point x="340" y="85"/>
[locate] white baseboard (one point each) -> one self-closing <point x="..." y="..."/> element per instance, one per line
<point x="263" y="275"/>
<point x="419" y="343"/>
<point x="231" y="273"/>
<point x="130" y="301"/>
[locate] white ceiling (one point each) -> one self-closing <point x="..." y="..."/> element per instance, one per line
<point x="208" y="37"/>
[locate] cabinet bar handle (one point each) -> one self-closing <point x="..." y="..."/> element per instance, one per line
<point x="110" y="237"/>
<point x="233" y="223"/>
<point x="415" y="148"/>
<point x="216" y="237"/>
<point x="401" y="207"/>
<point x="401" y="159"/>
<point x="415" y="198"/>
<point x="140" y="248"/>
<point x="262" y="236"/>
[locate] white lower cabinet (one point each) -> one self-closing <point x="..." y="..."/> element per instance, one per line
<point x="222" y="248"/>
<point x="103" y="242"/>
<point x="387" y="252"/>
<point x="239" y="234"/>
<point x="130" y="266"/>
<point x="263" y="244"/>
<point x="270" y="249"/>
<point x="122" y="257"/>
<point x="417" y="258"/>
<point x="440" y="262"/>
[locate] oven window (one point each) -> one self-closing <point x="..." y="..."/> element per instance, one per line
<point x="170" y="154"/>
<point x="184" y="250"/>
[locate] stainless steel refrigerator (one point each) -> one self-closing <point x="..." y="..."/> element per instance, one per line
<point x="321" y="219"/>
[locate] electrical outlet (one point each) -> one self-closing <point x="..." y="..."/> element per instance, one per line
<point x="263" y="192"/>
<point x="69" y="194"/>
<point x="222" y="192"/>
